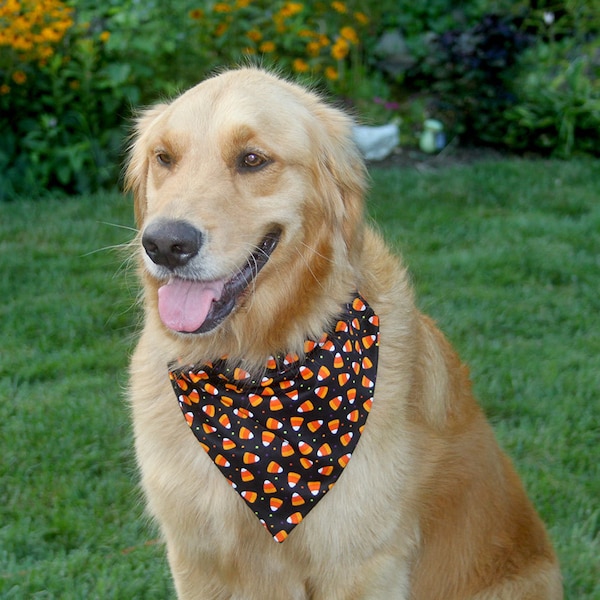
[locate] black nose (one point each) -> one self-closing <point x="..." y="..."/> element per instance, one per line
<point x="171" y="243"/>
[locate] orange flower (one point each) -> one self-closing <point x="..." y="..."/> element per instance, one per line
<point x="300" y="65"/>
<point x="22" y="43"/>
<point x="19" y="77"/>
<point x="4" y="89"/>
<point x="348" y="33"/>
<point x="50" y="35"/>
<point x="340" y="7"/>
<point x="254" y="35"/>
<point x="340" y="49"/>
<point x="279" y="19"/>
<point x="361" y="18"/>
<point x="196" y="13"/>
<point x="220" y="29"/>
<point x="267" y="47"/>
<point x="105" y="36"/>
<point x="290" y="9"/>
<point x="44" y="53"/>
<point x="222" y="7"/>
<point x="313" y="49"/>
<point x="332" y="74"/>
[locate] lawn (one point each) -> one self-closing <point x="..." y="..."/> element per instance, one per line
<point x="504" y="255"/>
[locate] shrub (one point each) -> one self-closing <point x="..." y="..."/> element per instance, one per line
<point x="556" y="83"/>
<point x="465" y="72"/>
<point x="60" y="101"/>
<point x="419" y="22"/>
<point x="314" y="40"/>
<point x="557" y="86"/>
<point x="68" y="80"/>
<point x="152" y="41"/>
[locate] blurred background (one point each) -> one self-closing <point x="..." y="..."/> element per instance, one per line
<point x="518" y="75"/>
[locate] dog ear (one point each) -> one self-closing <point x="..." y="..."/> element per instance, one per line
<point x="136" y="172"/>
<point x="341" y="161"/>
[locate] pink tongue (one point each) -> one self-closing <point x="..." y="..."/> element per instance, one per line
<point x="183" y="305"/>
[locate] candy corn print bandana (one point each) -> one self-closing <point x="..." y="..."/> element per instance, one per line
<point x="283" y="441"/>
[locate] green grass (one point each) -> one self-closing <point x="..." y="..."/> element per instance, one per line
<point x="504" y="255"/>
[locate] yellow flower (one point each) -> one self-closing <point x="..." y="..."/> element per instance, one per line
<point x="30" y="27"/>
<point x="4" y="89"/>
<point x="340" y="7"/>
<point x="267" y="47"/>
<point x="10" y="7"/>
<point x="196" y="13"/>
<point x="20" y="25"/>
<point x="44" y="53"/>
<point x="306" y="33"/>
<point x="50" y="35"/>
<point x="313" y="49"/>
<point x="289" y="9"/>
<point x="279" y="19"/>
<point x="340" y="49"/>
<point x="324" y="40"/>
<point x="105" y="36"/>
<point x="21" y="43"/>
<point x="248" y="51"/>
<point x="361" y="18"/>
<point x="19" y="77"/>
<point x="348" y="33"/>
<point x="222" y="7"/>
<point x="300" y="65"/>
<point x="255" y="35"/>
<point x="331" y="74"/>
<point x="242" y="3"/>
<point x="220" y="29"/>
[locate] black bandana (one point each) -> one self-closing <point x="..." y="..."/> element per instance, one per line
<point x="283" y="441"/>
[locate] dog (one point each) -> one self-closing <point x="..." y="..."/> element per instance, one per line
<point x="301" y="429"/>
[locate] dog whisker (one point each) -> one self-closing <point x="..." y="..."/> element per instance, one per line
<point x="123" y="246"/>
<point x="308" y="265"/>
<point x="118" y="226"/>
<point x="319" y="254"/>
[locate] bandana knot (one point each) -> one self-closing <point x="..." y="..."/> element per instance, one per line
<point x="283" y="440"/>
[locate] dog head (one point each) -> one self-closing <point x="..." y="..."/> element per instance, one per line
<point x="248" y="196"/>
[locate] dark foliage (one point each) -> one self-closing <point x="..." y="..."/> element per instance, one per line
<point x="465" y="70"/>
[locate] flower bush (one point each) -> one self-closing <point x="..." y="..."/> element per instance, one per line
<point x="322" y="40"/>
<point x="58" y="106"/>
<point x="523" y="77"/>
<point x="30" y="30"/>
<point x="68" y="81"/>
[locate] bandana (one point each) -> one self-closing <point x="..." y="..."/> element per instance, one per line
<point x="283" y="441"/>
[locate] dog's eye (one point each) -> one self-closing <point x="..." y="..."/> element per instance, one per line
<point x="164" y="159"/>
<point x="251" y="160"/>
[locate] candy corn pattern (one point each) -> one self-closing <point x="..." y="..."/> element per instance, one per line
<point x="282" y="440"/>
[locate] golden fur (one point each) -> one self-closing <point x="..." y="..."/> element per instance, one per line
<point x="429" y="507"/>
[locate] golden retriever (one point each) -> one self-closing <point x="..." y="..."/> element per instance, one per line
<point x="249" y="199"/>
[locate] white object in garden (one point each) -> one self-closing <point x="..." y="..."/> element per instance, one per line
<point x="433" y="138"/>
<point x="376" y="143"/>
